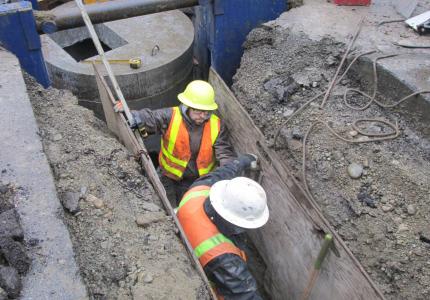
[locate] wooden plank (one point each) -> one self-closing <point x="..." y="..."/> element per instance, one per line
<point x="290" y="241"/>
<point x="118" y="124"/>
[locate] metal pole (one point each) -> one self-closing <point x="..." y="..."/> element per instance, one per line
<point x="108" y="11"/>
<point x="101" y="52"/>
<point x="149" y="167"/>
<point x="333" y="81"/>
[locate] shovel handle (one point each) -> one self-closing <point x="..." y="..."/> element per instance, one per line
<point x="328" y="239"/>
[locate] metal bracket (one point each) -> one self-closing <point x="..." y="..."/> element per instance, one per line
<point x="218" y="7"/>
<point x="28" y="26"/>
<point x="420" y="23"/>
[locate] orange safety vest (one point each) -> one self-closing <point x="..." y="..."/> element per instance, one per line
<point x="203" y="235"/>
<point x="175" y="150"/>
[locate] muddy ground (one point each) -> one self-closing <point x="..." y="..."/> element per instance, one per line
<point x="105" y="196"/>
<point x="14" y="262"/>
<point x="383" y="215"/>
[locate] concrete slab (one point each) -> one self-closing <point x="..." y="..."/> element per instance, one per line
<point x="53" y="273"/>
<point x="406" y="8"/>
<point x="163" y="41"/>
<point x="401" y="75"/>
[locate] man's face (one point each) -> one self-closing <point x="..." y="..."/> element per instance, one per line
<point x="198" y="116"/>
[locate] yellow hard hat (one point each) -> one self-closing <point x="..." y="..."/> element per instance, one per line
<point x="200" y="95"/>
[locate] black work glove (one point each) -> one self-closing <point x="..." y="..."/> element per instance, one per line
<point x="248" y="161"/>
<point x="138" y="124"/>
<point x="137" y="121"/>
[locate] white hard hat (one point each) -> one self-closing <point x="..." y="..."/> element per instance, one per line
<point x="240" y="201"/>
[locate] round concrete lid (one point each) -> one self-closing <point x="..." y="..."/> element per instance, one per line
<point x="157" y="39"/>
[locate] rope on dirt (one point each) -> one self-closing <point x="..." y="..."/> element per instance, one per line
<point x="409" y="46"/>
<point x="376" y="136"/>
<point x="124" y="185"/>
<point x="278" y="131"/>
<point x="89" y="101"/>
<point x="372" y="99"/>
<point x="375" y="89"/>
<point x="375" y="85"/>
<point x="391" y="21"/>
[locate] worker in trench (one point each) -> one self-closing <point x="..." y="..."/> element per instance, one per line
<point x="217" y="209"/>
<point x="193" y="138"/>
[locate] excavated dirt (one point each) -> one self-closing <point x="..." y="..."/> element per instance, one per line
<point x="383" y="215"/>
<point x="105" y="198"/>
<point x="14" y="261"/>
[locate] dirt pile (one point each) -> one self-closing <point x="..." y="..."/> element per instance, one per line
<point x="14" y="261"/>
<point x="375" y="194"/>
<point x="126" y="246"/>
<point x="294" y="3"/>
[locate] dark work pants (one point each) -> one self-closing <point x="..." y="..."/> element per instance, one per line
<point x="232" y="278"/>
<point x="175" y="189"/>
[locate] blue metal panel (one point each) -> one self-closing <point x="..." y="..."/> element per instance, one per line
<point x="34" y="4"/>
<point x="233" y="20"/>
<point x="203" y="28"/>
<point x="18" y="34"/>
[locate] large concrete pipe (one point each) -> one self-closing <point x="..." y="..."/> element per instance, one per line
<point x="105" y="11"/>
<point x="163" y="41"/>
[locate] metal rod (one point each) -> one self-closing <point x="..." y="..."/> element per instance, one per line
<point x="109" y="11"/>
<point x="101" y="52"/>
<point x="351" y="43"/>
<point x="149" y="167"/>
<point x="134" y="143"/>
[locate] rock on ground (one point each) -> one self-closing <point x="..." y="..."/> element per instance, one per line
<point x="10" y="281"/>
<point x="70" y="201"/>
<point x="10" y="226"/>
<point x="6" y="194"/>
<point x="3" y="294"/>
<point x="294" y="3"/>
<point x="13" y="257"/>
<point x="112" y="251"/>
<point x="371" y="212"/>
<point x="149" y="218"/>
<point x="15" y="254"/>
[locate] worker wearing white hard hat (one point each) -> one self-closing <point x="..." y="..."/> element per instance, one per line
<point x="240" y="201"/>
<point x="217" y="208"/>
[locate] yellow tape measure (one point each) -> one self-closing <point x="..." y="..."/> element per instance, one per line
<point x="135" y="63"/>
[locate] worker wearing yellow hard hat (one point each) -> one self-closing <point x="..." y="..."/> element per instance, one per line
<point x="199" y="94"/>
<point x="193" y="138"/>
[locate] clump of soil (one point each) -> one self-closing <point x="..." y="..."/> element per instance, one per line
<point x="383" y="214"/>
<point x="125" y="244"/>
<point x="14" y="261"/>
<point x="294" y="3"/>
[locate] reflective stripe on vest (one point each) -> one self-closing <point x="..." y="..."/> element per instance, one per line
<point x="190" y="195"/>
<point x="182" y="163"/>
<point x="175" y="150"/>
<point x="214" y="123"/>
<point x="210" y="243"/>
<point x="206" y="159"/>
<point x="202" y="234"/>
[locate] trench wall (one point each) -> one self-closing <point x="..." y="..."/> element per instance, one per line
<point x="53" y="273"/>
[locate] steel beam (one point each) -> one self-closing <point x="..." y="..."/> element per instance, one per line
<point x="107" y="11"/>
